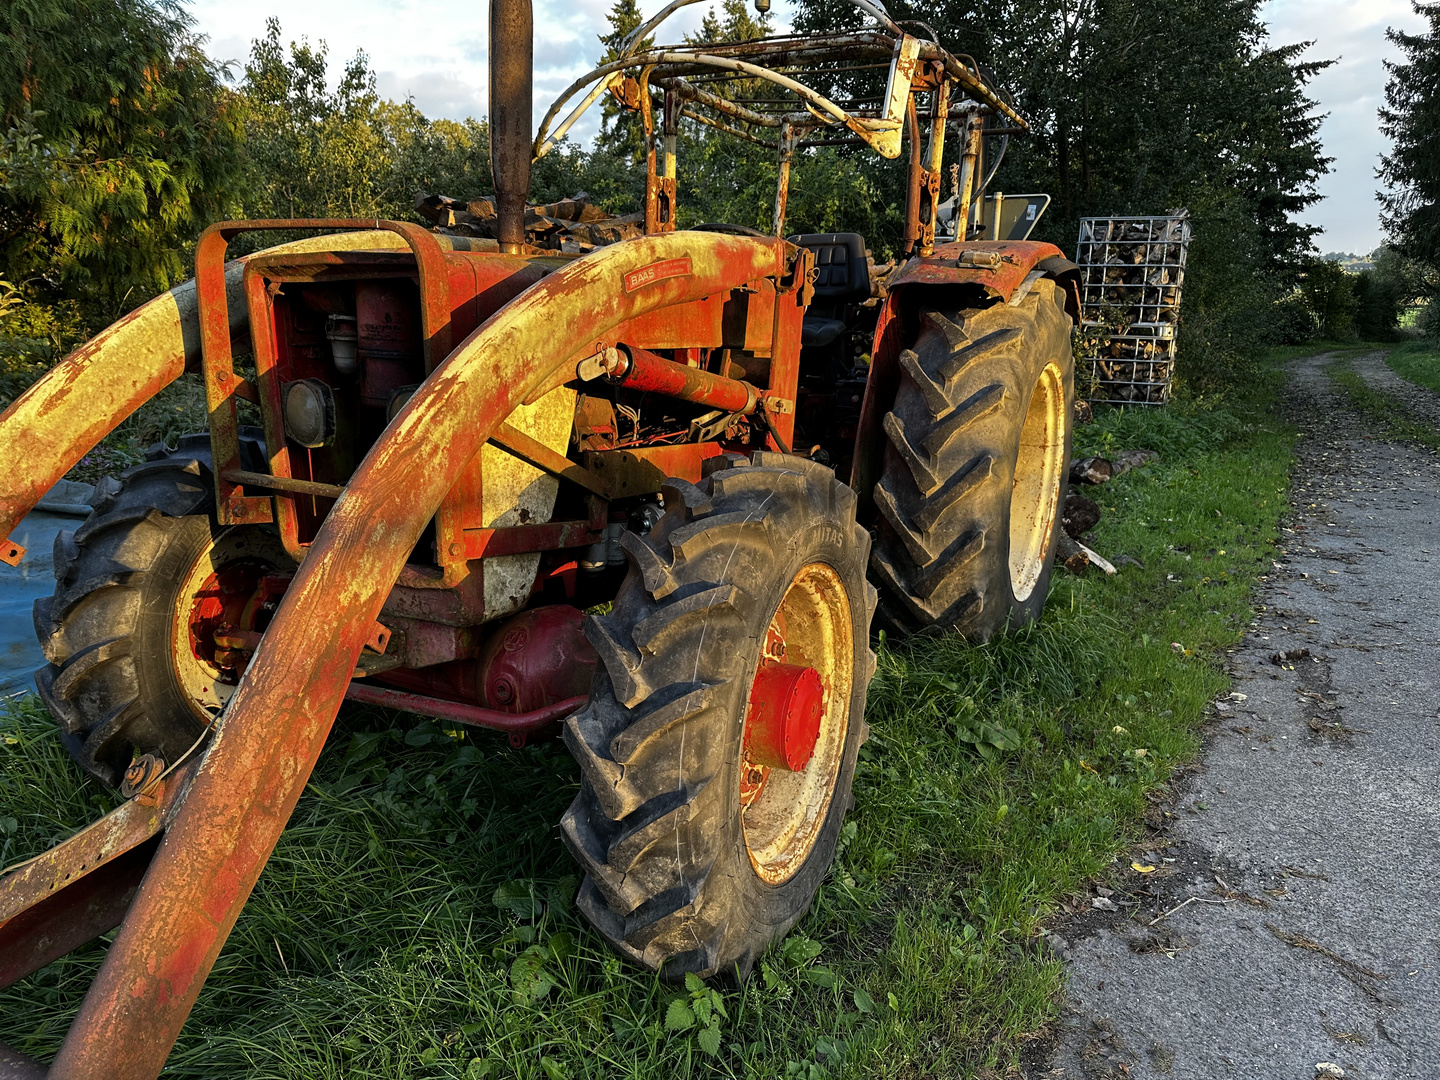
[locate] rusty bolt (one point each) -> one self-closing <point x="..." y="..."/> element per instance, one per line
<point x="456" y="549"/>
<point x="222" y="376"/>
<point x="141" y="775"/>
<point x="504" y="691"/>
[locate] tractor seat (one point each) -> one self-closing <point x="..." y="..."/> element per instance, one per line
<point x="842" y="277"/>
<point x="817" y="332"/>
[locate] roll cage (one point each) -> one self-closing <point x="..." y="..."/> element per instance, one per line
<point x="926" y="85"/>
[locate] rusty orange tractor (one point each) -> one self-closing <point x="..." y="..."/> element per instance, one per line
<point x="451" y="442"/>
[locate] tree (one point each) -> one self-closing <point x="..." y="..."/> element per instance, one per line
<point x="347" y="152"/>
<point x="1411" y="118"/>
<point x="622" y="136"/>
<point x="1329" y="292"/>
<point x="1382" y="295"/>
<point x="119" y="143"/>
<point x="313" y="151"/>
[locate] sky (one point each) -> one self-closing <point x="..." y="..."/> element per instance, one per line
<point x="436" y="53"/>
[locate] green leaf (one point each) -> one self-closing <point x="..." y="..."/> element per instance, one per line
<point x="561" y="945"/>
<point x="561" y="894"/>
<point x="553" y="1069"/>
<point x="821" y="976"/>
<point x="430" y="1055"/>
<point x="864" y="1002"/>
<point x="893" y="1002"/>
<point x="678" y="1016"/>
<point x="528" y="976"/>
<point x="518" y="898"/>
<point x="479" y="1069"/>
<point x="800" y="950"/>
<point x="694" y="983"/>
<point x="709" y="1040"/>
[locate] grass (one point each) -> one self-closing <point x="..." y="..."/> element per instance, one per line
<point x="1417" y="361"/>
<point x="416" y="919"/>
<point x="1389" y="416"/>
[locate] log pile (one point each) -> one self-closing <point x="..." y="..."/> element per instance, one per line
<point x="571" y="226"/>
<point x="1132" y="270"/>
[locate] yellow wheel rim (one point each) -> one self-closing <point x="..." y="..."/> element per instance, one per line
<point x="1035" y="498"/>
<point x="783" y="812"/>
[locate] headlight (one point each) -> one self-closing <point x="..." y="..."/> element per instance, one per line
<point x="309" y="413"/>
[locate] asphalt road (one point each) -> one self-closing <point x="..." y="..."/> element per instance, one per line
<point x="1309" y="836"/>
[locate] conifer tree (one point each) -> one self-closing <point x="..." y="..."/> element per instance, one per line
<point x="622" y="136"/>
<point x="1411" y="118"/>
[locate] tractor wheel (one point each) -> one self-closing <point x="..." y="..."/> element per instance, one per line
<point x="719" y="744"/>
<point x="141" y="589"/>
<point x="975" y="468"/>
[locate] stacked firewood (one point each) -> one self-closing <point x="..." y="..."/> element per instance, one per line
<point x="1132" y="270"/>
<point x="571" y="226"/>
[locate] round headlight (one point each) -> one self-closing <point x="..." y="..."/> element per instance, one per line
<point x="309" y="413"/>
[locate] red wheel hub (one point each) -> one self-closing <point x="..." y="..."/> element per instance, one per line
<point x="782" y="723"/>
<point x="232" y="605"/>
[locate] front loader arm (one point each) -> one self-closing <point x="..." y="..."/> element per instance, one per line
<point x="229" y="817"/>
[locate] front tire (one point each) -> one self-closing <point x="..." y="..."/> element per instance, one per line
<point x="975" y="468"/>
<point x="696" y="857"/>
<point x="128" y="672"/>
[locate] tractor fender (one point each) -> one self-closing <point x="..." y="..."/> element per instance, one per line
<point x="84" y="397"/>
<point x="1001" y="267"/>
<point x="266" y="743"/>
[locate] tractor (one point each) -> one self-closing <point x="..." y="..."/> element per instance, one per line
<point x="651" y="487"/>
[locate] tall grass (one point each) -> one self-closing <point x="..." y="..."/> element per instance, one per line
<point x="417" y="917"/>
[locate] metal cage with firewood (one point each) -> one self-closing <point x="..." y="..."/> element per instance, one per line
<point x="1132" y="270"/>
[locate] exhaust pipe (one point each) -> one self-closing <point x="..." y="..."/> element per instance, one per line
<point x="512" y="54"/>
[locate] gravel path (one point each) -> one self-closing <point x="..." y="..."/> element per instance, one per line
<point x="1310" y="832"/>
<point x="1422" y="403"/>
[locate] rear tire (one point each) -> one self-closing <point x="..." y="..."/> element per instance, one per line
<point x="681" y="877"/>
<point x="122" y="679"/>
<point x="975" y="468"/>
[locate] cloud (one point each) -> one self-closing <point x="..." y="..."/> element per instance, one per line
<point x="1349" y="92"/>
<point x="437" y="52"/>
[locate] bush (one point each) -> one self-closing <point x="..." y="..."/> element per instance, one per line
<point x="1329" y="292"/>
<point x="1292" y="321"/>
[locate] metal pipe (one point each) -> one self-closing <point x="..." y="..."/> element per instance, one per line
<point x="641" y="369"/>
<point x="283" y="483"/>
<point x="913" y="179"/>
<point x="786" y="144"/>
<point x="512" y="55"/>
<point x="525" y="723"/>
<point x="973" y="128"/>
